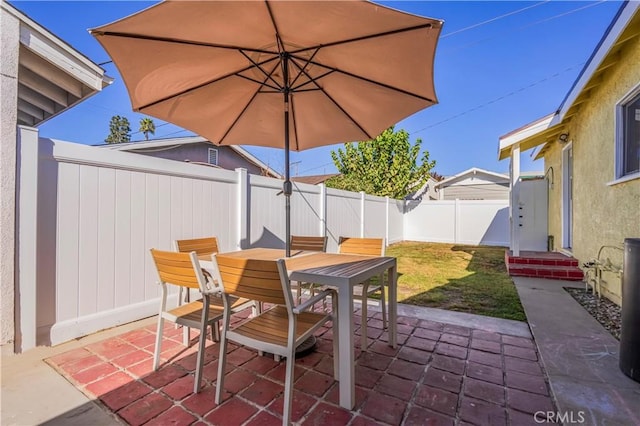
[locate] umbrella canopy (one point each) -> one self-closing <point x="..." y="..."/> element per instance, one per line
<point x="289" y="74"/>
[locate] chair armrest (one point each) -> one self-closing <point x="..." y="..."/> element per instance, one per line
<point x="312" y="301"/>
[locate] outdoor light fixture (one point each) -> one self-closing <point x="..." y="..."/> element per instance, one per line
<point x="563" y="138"/>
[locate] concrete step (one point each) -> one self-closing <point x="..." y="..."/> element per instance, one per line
<point x="555" y="272"/>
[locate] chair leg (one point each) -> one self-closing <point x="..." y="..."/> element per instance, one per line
<point x="363" y="327"/>
<point x="215" y="331"/>
<point x="186" y="331"/>
<point x="201" y="344"/>
<point x="288" y="388"/>
<point x="222" y="358"/>
<point x="158" y="347"/>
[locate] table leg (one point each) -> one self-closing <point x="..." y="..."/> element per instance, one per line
<point x="345" y="340"/>
<point x="393" y="306"/>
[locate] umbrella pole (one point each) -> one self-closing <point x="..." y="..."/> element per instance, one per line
<point x="287" y="187"/>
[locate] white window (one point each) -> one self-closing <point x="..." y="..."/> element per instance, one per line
<point x="213" y="156"/>
<point x="628" y="135"/>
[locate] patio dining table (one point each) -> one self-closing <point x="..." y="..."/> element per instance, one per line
<point x="342" y="272"/>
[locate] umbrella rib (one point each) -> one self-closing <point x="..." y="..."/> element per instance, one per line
<point x="311" y="80"/>
<point x="201" y="85"/>
<point x="365" y="37"/>
<point x="368" y="80"/>
<point x="226" y="133"/>
<point x="300" y="73"/>
<point x="178" y="41"/>
<point x="259" y="67"/>
<point x="353" y="120"/>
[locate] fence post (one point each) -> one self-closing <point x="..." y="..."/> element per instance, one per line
<point x="362" y="200"/>
<point x="386" y="220"/>
<point x="456" y="221"/>
<point x="514" y="200"/>
<point x="323" y="210"/>
<point x="27" y="237"/>
<point x="243" y="209"/>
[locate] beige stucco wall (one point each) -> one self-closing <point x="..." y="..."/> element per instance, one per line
<point x="602" y="214"/>
<point x="9" y="33"/>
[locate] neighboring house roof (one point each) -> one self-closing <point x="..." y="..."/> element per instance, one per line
<point x="314" y="179"/>
<point x="159" y="143"/>
<point x="470" y="172"/>
<point x="624" y="27"/>
<point x="52" y="75"/>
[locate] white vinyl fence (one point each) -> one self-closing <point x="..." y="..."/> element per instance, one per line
<point x="88" y="217"/>
<point x="477" y="222"/>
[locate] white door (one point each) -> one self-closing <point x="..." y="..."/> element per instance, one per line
<point x="567" y="197"/>
<point x="533" y="215"/>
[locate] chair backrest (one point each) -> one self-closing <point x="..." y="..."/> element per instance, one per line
<point x="260" y="280"/>
<point x="179" y="269"/>
<point x="364" y="246"/>
<point x="202" y="246"/>
<point x="304" y="243"/>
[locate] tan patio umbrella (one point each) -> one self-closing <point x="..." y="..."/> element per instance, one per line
<point x="289" y="74"/>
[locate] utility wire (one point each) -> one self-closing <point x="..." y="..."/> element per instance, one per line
<point x="524" y="26"/>
<point x="493" y="101"/>
<point x="488" y="21"/>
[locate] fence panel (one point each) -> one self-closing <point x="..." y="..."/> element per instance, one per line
<point x="375" y="216"/>
<point x="305" y="210"/>
<point x="266" y="213"/>
<point x="396" y="221"/>
<point x="459" y="221"/>
<point x="483" y="222"/>
<point x="343" y="216"/>
<point x="108" y="217"/>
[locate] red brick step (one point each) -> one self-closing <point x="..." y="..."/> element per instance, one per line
<point x="549" y="265"/>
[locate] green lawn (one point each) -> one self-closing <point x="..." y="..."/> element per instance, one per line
<point x="456" y="277"/>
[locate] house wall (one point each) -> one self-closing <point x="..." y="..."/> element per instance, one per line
<point x="199" y="152"/>
<point x="9" y="46"/>
<point x="475" y="186"/>
<point x="603" y="214"/>
<point x="477" y="191"/>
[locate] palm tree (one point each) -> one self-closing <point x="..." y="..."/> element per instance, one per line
<point x="147" y="126"/>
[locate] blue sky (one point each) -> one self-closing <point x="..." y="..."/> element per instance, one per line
<point x="499" y="65"/>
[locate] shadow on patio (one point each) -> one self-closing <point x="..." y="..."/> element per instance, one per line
<point x="440" y="374"/>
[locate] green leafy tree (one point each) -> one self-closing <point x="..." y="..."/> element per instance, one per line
<point x="147" y="126"/>
<point x="385" y="166"/>
<point x="119" y="130"/>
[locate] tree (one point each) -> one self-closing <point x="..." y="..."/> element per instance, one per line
<point x="119" y="130"/>
<point x="147" y="126"/>
<point x="385" y="166"/>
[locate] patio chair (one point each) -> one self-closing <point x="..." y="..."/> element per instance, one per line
<point x="278" y="330"/>
<point x="304" y="243"/>
<point x="368" y="247"/>
<point x="183" y="270"/>
<point x="203" y="247"/>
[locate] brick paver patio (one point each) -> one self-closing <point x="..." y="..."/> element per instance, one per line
<point x="440" y="374"/>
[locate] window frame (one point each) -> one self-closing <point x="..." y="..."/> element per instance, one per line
<point x="619" y="173"/>
<point x="212" y="150"/>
